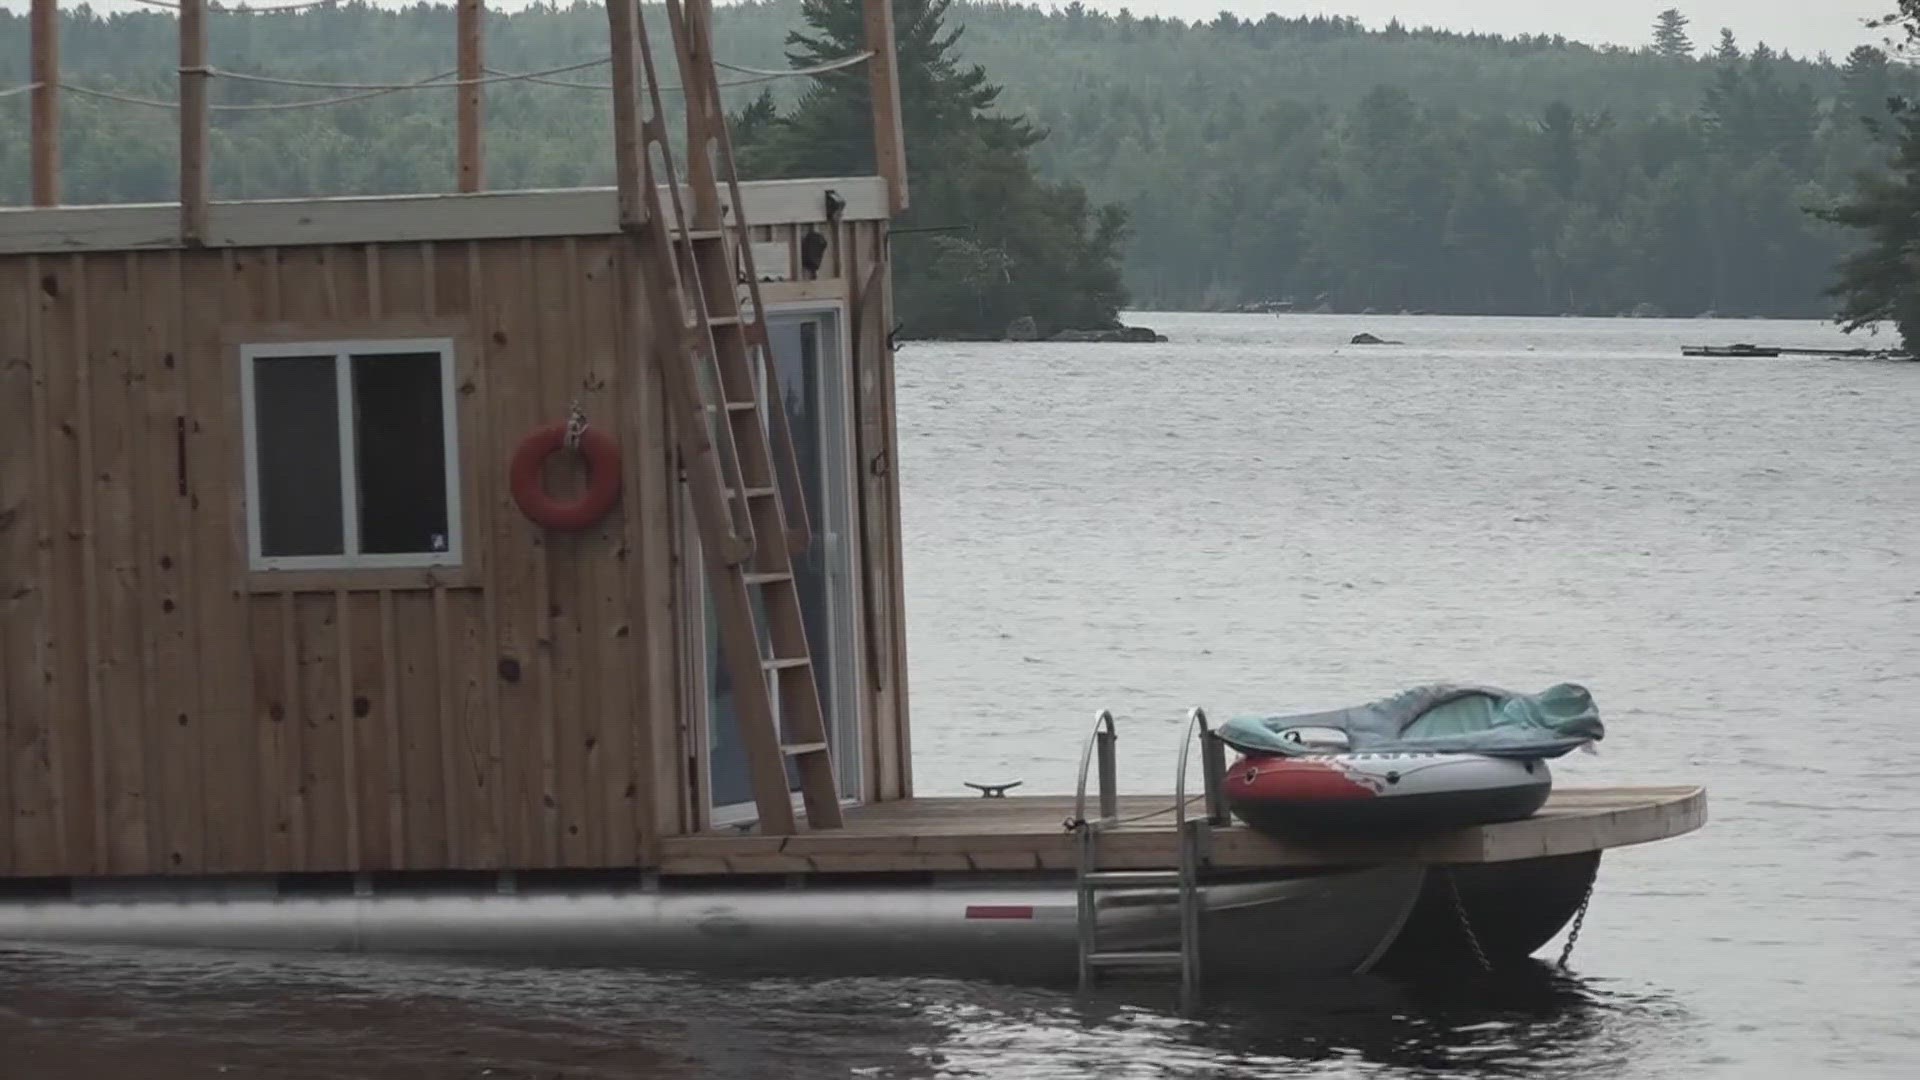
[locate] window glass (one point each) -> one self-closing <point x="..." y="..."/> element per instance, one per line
<point x="297" y="425"/>
<point x="400" y="453"/>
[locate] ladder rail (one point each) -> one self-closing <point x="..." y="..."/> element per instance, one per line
<point x="1099" y="742"/>
<point x="719" y="440"/>
<point x="707" y="123"/>
<point x="1195" y="838"/>
<point x="778" y="699"/>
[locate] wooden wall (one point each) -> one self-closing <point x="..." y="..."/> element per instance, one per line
<point x="166" y="712"/>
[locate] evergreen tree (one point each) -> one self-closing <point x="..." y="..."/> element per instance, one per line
<point x="1728" y="50"/>
<point x="1881" y="281"/>
<point x="1670" y="35"/>
<point x="1024" y="247"/>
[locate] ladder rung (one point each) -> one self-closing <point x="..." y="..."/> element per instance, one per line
<point x="1135" y="959"/>
<point x="797" y="749"/>
<point x="698" y="235"/>
<point x="1121" y="879"/>
<point x="767" y="578"/>
<point x="753" y="492"/>
<point x="742" y="406"/>
<point x="781" y="663"/>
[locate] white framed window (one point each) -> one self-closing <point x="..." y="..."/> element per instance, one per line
<point x="352" y="457"/>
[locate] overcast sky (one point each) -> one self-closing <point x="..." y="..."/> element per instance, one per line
<point x="1803" y="26"/>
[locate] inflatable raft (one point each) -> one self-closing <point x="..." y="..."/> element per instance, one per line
<point x="1435" y="757"/>
<point x="1332" y="793"/>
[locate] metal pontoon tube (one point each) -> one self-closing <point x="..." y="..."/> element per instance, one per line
<point x="1299" y="925"/>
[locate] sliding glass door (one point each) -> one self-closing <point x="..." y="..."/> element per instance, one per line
<point x="810" y="360"/>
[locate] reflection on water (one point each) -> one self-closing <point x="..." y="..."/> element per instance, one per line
<point x="193" y="1013"/>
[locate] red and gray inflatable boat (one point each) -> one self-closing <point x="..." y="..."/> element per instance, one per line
<point x="1390" y="792"/>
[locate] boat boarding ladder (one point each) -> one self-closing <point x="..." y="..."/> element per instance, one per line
<point x="1182" y="881"/>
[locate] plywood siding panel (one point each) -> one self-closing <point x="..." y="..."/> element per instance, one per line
<point x="444" y="281"/>
<point x="517" y="551"/>
<point x="156" y="412"/>
<point x="245" y="829"/>
<point x="561" y="571"/>
<point x="277" y="711"/>
<point x="419" y="683"/>
<point x="369" y="721"/>
<point x="466" y="655"/>
<point x="109" y="600"/>
<point x="58" y="330"/>
<point x="611" y="716"/>
<point x="32" y="839"/>
<point x="649" y="505"/>
<point x="322" y="774"/>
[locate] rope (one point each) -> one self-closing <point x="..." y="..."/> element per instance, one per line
<point x="363" y="91"/>
<point x="12" y="90"/>
<point x="275" y="80"/>
<point x="1071" y="824"/>
<point x="152" y="103"/>
<point x="817" y="69"/>
<point x="724" y="83"/>
<point x="127" y="99"/>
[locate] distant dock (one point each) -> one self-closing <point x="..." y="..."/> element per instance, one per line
<point x="1743" y="349"/>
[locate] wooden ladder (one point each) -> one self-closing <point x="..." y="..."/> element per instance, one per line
<point x="706" y="340"/>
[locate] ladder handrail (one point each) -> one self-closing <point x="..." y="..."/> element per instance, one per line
<point x="1104" y="736"/>
<point x="1213" y="773"/>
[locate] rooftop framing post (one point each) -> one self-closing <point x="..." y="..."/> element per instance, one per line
<point x="883" y="71"/>
<point x="627" y="148"/>
<point x="193" y="121"/>
<point x="46" y="102"/>
<point x="470" y="18"/>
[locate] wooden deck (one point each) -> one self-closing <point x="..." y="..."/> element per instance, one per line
<point x="1028" y="833"/>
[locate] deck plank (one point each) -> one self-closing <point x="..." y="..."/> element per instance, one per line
<point x="1018" y="833"/>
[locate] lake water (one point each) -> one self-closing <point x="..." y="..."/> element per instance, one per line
<point x="1258" y="516"/>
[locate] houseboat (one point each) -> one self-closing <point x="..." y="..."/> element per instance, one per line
<point x="521" y="571"/>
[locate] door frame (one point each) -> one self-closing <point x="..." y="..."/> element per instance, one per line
<point x="847" y="726"/>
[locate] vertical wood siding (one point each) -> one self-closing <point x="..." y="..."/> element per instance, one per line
<point x="160" y="713"/>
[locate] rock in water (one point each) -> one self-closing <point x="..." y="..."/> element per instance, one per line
<point x="1364" y="338"/>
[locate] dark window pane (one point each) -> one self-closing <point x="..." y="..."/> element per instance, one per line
<point x="297" y="438"/>
<point x="402" y="459"/>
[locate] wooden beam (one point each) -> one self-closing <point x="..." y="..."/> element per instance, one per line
<point x="484" y="215"/>
<point x="627" y="112"/>
<point x="686" y="20"/>
<point x="1024" y="833"/>
<point x="193" y="121"/>
<point x="46" y="102"/>
<point x="889" y="138"/>
<point x="471" y="16"/>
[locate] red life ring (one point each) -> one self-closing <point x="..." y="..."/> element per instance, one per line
<point x="603" y="477"/>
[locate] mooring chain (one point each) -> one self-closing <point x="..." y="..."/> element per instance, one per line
<point x="1460" y="910"/>
<point x="1573" y="934"/>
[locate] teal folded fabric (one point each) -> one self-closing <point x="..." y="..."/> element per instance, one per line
<point x="1435" y="718"/>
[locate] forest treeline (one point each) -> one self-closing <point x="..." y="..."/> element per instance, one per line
<point x="1307" y="159"/>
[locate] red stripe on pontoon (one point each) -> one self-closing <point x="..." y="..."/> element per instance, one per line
<point x="999" y="911"/>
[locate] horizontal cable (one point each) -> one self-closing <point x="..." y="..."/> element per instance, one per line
<point x="443" y="79"/>
<point x="12" y="90"/>
<point x="817" y="69"/>
<point x="275" y="80"/>
<point x="109" y="95"/>
<point x="757" y="75"/>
